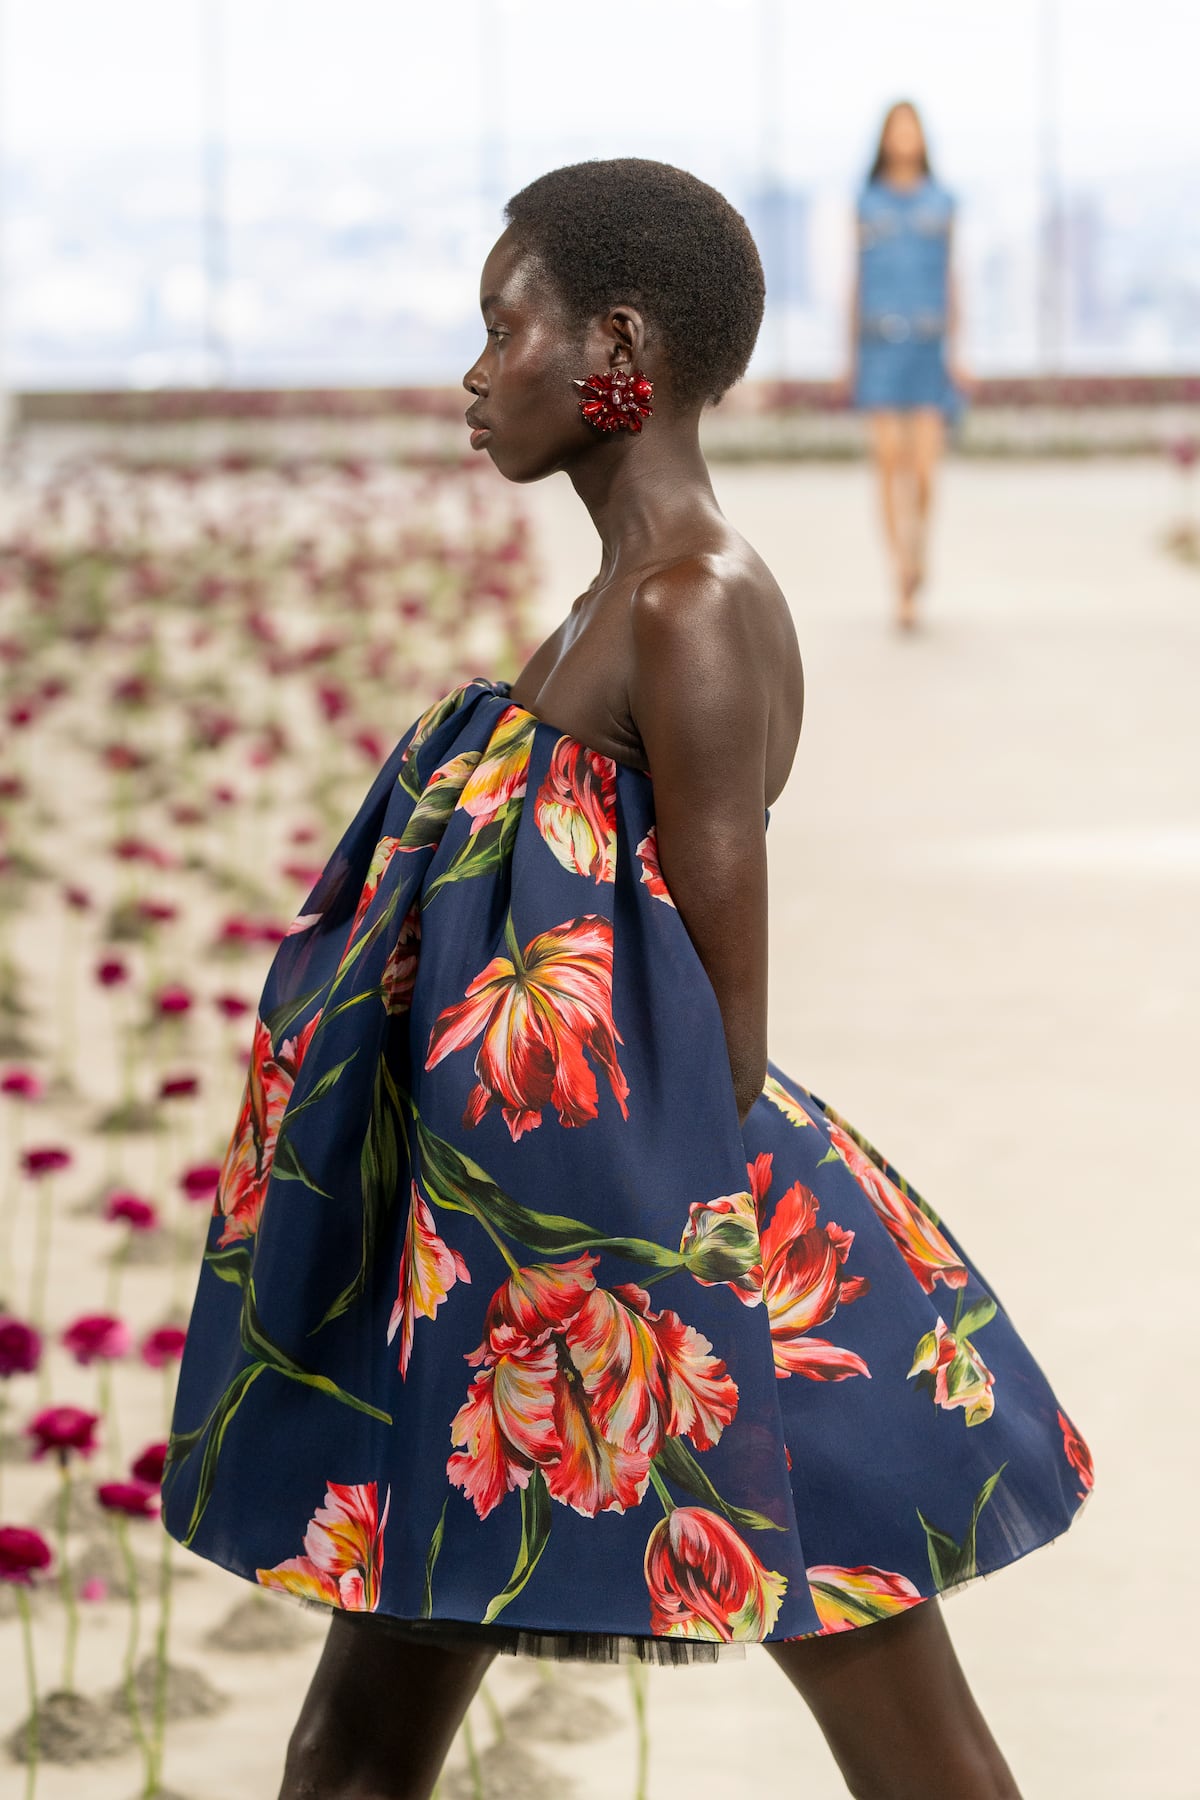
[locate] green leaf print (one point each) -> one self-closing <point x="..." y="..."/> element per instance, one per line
<point x="485" y="850"/>
<point x="427" y="724"/>
<point x="431" y="1556"/>
<point x="278" y="1021"/>
<point x="975" y="1317"/>
<point x="379" y="1170"/>
<point x="677" y="1463"/>
<point x="535" y="1535"/>
<point x="288" y="1167"/>
<point x="266" y="1354"/>
<point x="431" y="814"/>
<point x="952" y="1562"/>
<point x="453" y="1181"/>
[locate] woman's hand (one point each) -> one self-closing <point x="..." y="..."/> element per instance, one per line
<point x="962" y="378"/>
<point x="699" y="696"/>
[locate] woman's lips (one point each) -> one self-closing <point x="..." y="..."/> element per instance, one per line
<point x="479" y="435"/>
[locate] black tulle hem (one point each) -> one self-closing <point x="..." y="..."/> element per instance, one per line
<point x="550" y="1646"/>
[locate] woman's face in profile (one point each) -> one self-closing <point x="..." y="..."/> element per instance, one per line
<point x="525" y="408"/>
<point x="903" y="141"/>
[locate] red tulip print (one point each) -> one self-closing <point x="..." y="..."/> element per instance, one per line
<point x="803" y="1285"/>
<point x="917" y="1238"/>
<point x="501" y="772"/>
<point x="706" y="1583"/>
<point x="400" y="970"/>
<point x="956" y="1373"/>
<point x="539" y="1009"/>
<point x="576" y="810"/>
<point x="652" y="875"/>
<point x="343" y="1561"/>
<point x="385" y="849"/>
<point x="429" y="1268"/>
<point x="246" y="1170"/>
<point x="585" y="1385"/>
<point x="1078" y="1455"/>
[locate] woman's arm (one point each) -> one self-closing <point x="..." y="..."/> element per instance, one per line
<point x="699" y="696"/>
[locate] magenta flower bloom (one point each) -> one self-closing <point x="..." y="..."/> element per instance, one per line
<point x="23" y="1554"/>
<point x="157" y="912"/>
<point x="111" y="972"/>
<point x="63" y="1429"/>
<point x="22" y="1084"/>
<point x="232" y="1006"/>
<point x="20" y="1348"/>
<point x="201" y="1181"/>
<point x="178" y="1087"/>
<point x="136" y="1499"/>
<point x="173" y="999"/>
<point x="149" y="1465"/>
<point x="45" y="1160"/>
<point x="139" y="1214"/>
<point x="163" y="1345"/>
<point x="97" y="1337"/>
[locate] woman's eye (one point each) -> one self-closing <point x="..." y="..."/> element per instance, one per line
<point x="494" y="331"/>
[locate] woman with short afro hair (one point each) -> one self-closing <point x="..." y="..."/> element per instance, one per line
<point x="541" y="1313"/>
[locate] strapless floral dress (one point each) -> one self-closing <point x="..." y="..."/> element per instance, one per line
<point x="506" y="1329"/>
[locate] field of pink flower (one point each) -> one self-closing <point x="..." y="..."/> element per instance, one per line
<point x="201" y="668"/>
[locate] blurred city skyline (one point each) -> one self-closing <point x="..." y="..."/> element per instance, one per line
<point x="269" y="193"/>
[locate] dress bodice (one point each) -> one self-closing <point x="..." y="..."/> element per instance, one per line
<point x="904" y="254"/>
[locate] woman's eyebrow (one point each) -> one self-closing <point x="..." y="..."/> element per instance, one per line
<point x="489" y="300"/>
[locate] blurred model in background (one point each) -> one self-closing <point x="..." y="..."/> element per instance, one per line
<point x="905" y="371"/>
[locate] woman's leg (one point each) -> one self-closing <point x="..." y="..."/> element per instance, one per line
<point x="889" y="452"/>
<point x="896" y="1711"/>
<point x="379" y="1716"/>
<point x="928" y="441"/>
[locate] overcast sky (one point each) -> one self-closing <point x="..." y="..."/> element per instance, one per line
<point x="697" y="77"/>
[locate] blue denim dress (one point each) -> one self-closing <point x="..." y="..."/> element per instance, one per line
<point x="904" y="257"/>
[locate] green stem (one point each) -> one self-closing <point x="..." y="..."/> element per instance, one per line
<point x="66" y="1585"/>
<point x="154" y="1767"/>
<point x="473" y="1762"/>
<point x="514" y="948"/>
<point x="32" y="1733"/>
<point x="637" y="1688"/>
<point x="108" y="1412"/>
<point x="660" y="1488"/>
<point x="493" y="1712"/>
<point x="41" y="1267"/>
<point x="131" y="1643"/>
<point x="501" y="1246"/>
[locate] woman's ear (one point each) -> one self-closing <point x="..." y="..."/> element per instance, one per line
<point x="626" y="330"/>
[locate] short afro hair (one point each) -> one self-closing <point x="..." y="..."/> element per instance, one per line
<point x="632" y="229"/>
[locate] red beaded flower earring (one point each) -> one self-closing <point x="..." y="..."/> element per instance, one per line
<point x="618" y="401"/>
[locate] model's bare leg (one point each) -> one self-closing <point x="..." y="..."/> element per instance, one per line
<point x="896" y="1711"/>
<point x="892" y="462"/>
<point x="928" y="441"/>
<point x="379" y="1716"/>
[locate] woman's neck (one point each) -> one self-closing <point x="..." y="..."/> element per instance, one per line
<point x="647" y="500"/>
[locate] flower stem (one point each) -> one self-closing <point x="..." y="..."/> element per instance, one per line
<point x="473" y="1762"/>
<point x="121" y="1528"/>
<point x="32" y="1733"/>
<point x="66" y="1585"/>
<point x="44" y="1200"/>
<point x="660" y="1488"/>
<point x="637" y="1688"/>
<point x="158" y="1736"/>
<point x="108" y="1412"/>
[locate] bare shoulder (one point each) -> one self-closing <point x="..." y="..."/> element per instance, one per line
<point x="719" y="610"/>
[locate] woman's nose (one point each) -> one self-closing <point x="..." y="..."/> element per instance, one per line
<point x="475" y="381"/>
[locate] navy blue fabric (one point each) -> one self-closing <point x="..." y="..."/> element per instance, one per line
<point x="847" y="1468"/>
